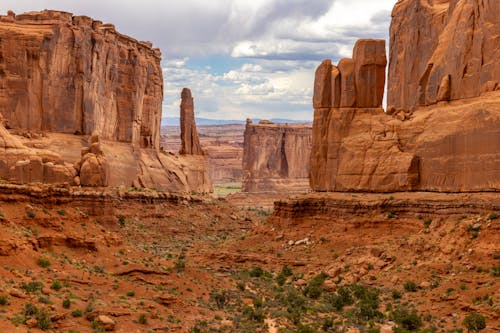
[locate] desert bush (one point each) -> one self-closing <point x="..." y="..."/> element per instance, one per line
<point x="66" y="303"/>
<point x="474" y="322"/>
<point x="43" y="262"/>
<point x="410" y="286"/>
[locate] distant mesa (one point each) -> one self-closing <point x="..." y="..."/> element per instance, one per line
<point x="441" y="131"/>
<point x="67" y="80"/>
<point x="276" y="157"/>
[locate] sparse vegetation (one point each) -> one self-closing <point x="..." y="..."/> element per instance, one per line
<point x="56" y="285"/>
<point x="43" y="262"/>
<point x="474" y="322"/>
<point x="410" y="286"/>
<point x="4" y="299"/>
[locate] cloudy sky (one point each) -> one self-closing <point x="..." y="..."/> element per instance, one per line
<point x="241" y="58"/>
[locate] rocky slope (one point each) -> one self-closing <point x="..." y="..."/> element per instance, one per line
<point x="75" y="86"/>
<point x="450" y="146"/>
<point x="143" y="260"/>
<point x="275" y="157"/>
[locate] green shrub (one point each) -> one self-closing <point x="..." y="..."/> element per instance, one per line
<point x="131" y="293"/>
<point x="474" y="322"/>
<point x="30" y="310"/>
<point x="31" y="214"/>
<point x="495" y="270"/>
<point x="77" y="313"/>
<point x="493" y="216"/>
<point x="408" y="320"/>
<point x="43" y="262"/>
<point x="221" y="299"/>
<point x="56" y="285"/>
<point x="313" y="288"/>
<point x="4" y="300"/>
<point x="410" y="286"/>
<point x="43" y="320"/>
<point x="61" y="212"/>
<point x="396" y="294"/>
<point x="142" y="319"/>
<point x="32" y="286"/>
<point x="427" y="222"/>
<point x="66" y="303"/>
<point x="256" y="272"/>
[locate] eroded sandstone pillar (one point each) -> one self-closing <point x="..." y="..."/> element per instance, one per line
<point x="190" y="142"/>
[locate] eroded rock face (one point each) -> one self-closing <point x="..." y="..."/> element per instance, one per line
<point x="71" y="74"/>
<point x="441" y="131"/>
<point x="445" y="44"/>
<point x="75" y="86"/>
<point x="357" y="82"/>
<point x="190" y="142"/>
<point x="276" y="157"/>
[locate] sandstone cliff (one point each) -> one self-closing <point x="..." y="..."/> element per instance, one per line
<point x="276" y="157"/>
<point x="443" y="50"/>
<point x="75" y="86"/>
<point x="71" y="74"/>
<point x="442" y="128"/>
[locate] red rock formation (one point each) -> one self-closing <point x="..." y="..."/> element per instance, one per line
<point x="445" y="44"/>
<point x="190" y="142"/>
<point x="62" y="75"/>
<point x="276" y="157"/>
<point x="451" y="146"/>
<point x="71" y="74"/>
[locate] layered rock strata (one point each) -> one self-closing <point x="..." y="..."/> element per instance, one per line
<point x="440" y="133"/>
<point x="76" y="86"/>
<point x="190" y="142"/>
<point x="276" y="157"/>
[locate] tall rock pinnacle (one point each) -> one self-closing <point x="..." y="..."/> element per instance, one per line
<point x="190" y="142"/>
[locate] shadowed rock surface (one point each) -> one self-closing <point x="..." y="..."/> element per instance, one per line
<point x="276" y="157"/>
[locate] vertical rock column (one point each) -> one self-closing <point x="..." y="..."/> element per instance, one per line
<point x="190" y="142"/>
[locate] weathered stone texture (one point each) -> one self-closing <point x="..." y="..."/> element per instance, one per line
<point x="276" y="157"/>
<point x="71" y="74"/>
<point x="442" y="128"/>
<point x="356" y="82"/>
<point x="447" y="38"/>
<point x="190" y="142"/>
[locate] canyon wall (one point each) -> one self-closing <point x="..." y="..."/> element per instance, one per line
<point x="441" y="131"/>
<point x="81" y="104"/>
<point x="71" y="74"/>
<point x="442" y="50"/>
<point x="276" y="157"/>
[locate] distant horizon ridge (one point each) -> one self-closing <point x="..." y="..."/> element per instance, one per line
<point x="174" y="121"/>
